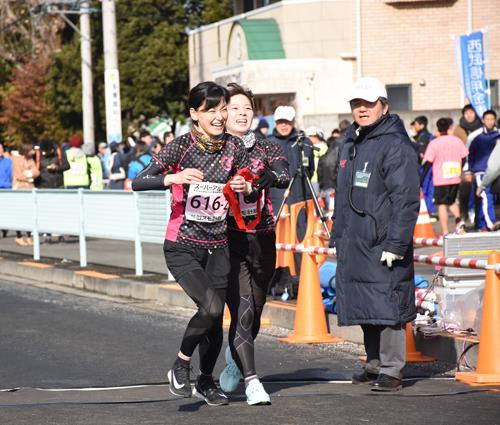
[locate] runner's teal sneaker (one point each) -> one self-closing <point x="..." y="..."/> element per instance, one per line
<point x="256" y="394"/>
<point x="231" y="375"/>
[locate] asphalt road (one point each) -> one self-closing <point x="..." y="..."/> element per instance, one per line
<point x="54" y="340"/>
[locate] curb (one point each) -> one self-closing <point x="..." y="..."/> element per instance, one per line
<point x="170" y="294"/>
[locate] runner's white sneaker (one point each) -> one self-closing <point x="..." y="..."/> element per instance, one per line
<point x="256" y="394"/>
<point x="231" y="375"/>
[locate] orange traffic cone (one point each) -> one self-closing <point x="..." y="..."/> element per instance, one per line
<point x="310" y="321"/>
<point x="488" y="359"/>
<point x="423" y="228"/>
<point x="412" y="355"/>
<point x="280" y="234"/>
<point x="283" y="235"/>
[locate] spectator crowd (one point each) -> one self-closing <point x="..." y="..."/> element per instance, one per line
<point x="459" y="164"/>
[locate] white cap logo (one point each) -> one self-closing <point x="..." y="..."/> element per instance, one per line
<point x="369" y="89"/>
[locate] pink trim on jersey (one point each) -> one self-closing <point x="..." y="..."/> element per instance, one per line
<point x="177" y="214"/>
<point x="269" y="205"/>
<point x="277" y="158"/>
<point x="193" y="141"/>
<point x="155" y="158"/>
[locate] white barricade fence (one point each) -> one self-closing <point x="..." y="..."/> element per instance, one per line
<point x="122" y="215"/>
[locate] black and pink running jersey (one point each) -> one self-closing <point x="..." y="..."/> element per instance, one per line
<point x="264" y="153"/>
<point x="198" y="216"/>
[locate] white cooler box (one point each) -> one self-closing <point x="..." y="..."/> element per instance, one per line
<point x="460" y="290"/>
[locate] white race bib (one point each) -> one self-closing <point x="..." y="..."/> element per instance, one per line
<point x="249" y="209"/>
<point x="451" y="169"/>
<point x="206" y="202"/>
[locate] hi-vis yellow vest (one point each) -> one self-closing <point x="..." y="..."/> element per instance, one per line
<point x="77" y="175"/>
<point x="95" y="173"/>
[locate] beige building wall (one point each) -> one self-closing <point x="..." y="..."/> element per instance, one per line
<point x="401" y="42"/>
<point x="410" y="42"/>
<point x="308" y="28"/>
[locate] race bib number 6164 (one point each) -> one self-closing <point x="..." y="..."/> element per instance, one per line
<point x="206" y="202"/>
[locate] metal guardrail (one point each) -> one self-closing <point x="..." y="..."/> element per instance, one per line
<point x="131" y="216"/>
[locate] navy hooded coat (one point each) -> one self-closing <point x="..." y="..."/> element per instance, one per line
<point x="381" y="167"/>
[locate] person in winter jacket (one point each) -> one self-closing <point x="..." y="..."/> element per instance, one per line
<point x="286" y="135"/>
<point x="5" y="174"/>
<point x="5" y="170"/>
<point x="376" y="208"/>
<point x="51" y="163"/>
<point x="116" y="168"/>
<point x="492" y="173"/>
<point x="141" y="160"/>
<point x="77" y="176"/>
<point x="481" y="144"/>
<point x="317" y="138"/>
<point x="24" y="173"/>
<point x="468" y="123"/>
<point x="422" y="135"/>
<point x="327" y="169"/>
<point x="94" y="168"/>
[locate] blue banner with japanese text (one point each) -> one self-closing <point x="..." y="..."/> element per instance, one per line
<point x="472" y="60"/>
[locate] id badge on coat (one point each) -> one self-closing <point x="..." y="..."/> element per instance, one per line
<point x="362" y="177"/>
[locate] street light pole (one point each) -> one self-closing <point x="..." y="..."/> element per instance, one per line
<point x="87" y="89"/>
<point x="111" y="73"/>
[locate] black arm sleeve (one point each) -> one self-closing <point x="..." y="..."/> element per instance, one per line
<point x="151" y="178"/>
<point x="280" y="168"/>
<point x="425" y="169"/>
<point x="278" y="164"/>
<point x="64" y="165"/>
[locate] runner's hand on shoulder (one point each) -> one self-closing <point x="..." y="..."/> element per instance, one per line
<point x="266" y="179"/>
<point x="187" y="176"/>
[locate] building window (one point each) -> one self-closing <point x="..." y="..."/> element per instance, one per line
<point x="240" y="6"/>
<point x="400" y="97"/>
<point x="494" y="93"/>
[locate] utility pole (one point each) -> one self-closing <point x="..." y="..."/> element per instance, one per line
<point x="87" y="89"/>
<point x="111" y="73"/>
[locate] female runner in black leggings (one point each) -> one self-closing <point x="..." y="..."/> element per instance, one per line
<point x="199" y="164"/>
<point x="252" y="251"/>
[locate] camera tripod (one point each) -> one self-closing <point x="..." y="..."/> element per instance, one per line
<point x="303" y="174"/>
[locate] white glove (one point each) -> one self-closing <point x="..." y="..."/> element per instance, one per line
<point x="28" y="174"/>
<point x="389" y="257"/>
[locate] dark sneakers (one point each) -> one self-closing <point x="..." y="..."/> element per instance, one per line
<point x="364" y="377"/>
<point x="206" y="389"/>
<point x="178" y="379"/>
<point x="386" y="383"/>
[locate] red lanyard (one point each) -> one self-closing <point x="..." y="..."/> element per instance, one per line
<point x="234" y="204"/>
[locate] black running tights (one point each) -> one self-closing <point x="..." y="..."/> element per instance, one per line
<point x="253" y="258"/>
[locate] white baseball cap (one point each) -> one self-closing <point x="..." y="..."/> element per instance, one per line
<point x="284" y="113"/>
<point x="369" y="89"/>
<point x="315" y="131"/>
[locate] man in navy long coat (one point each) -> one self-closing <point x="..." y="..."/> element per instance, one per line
<point x="376" y="208"/>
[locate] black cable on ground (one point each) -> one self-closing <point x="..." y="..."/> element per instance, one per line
<point x="462" y="356"/>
